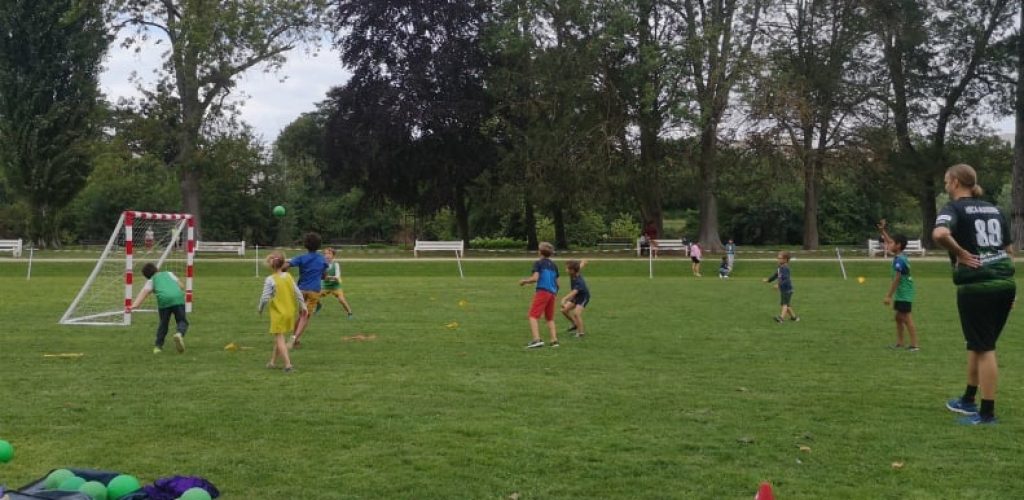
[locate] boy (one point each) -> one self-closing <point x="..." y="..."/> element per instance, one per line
<point x="170" y="299"/>
<point x="902" y="286"/>
<point x="785" y="287"/>
<point x="545" y="275"/>
<point x="331" y="284"/>
<point x="730" y="252"/>
<point x="577" y="299"/>
<point x="311" y="268"/>
<point x="723" y="268"/>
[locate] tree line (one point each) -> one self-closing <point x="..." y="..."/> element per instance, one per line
<point x="764" y="121"/>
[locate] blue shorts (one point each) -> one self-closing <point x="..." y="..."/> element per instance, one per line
<point x="581" y="301"/>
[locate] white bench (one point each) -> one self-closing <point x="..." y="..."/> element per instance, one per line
<point x="237" y="247"/>
<point x="13" y="246"/>
<point x="664" y="245"/>
<point x="459" y="247"/>
<point x="876" y="247"/>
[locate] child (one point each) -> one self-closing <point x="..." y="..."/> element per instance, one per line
<point x="311" y="268"/>
<point x="695" y="255"/>
<point x="545" y="275"/>
<point x="331" y="284"/>
<point x="170" y="299"/>
<point x="785" y="287"/>
<point x="149" y="239"/>
<point x="723" y="268"/>
<point x="730" y="252"/>
<point x="577" y="299"/>
<point x="902" y="286"/>
<point x="285" y="299"/>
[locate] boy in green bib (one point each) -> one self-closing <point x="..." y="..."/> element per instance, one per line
<point x="170" y="299"/>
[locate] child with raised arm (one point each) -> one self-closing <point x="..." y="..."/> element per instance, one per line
<point x="902" y="288"/>
<point x="170" y="299"/>
<point x="285" y="299"/>
<point x="545" y="275"/>
<point x="311" y="268"/>
<point x="331" y="283"/>
<point x="574" y="302"/>
<point x="785" y="287"/>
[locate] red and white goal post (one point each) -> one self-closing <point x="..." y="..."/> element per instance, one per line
<point x="167" y="240"/>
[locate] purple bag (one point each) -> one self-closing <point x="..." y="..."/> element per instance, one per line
<point x="170" y="488"/>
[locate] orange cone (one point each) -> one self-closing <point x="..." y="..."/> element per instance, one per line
<point x="764" y="492"/>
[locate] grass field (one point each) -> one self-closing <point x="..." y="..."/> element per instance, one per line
<point x="684" y="388"/>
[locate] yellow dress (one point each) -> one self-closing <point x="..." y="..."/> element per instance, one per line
<point x="284" y="309"/>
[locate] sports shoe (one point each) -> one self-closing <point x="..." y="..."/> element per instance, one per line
<point x="350" y="316"/>
<point x="179" y="342"/>
<point x="289" y="369"/>
<point x="579" y="335"/>
<point x="554" y="344"/>
<point x="977" y="419"/>
<point x="535" y="344"/>
<point x="913" y="348"/>
<point x="572" y="328"/>
<point x="895" y="346"/>
<point x="157" y="350"/>
<point x="778" y="319"/>
<point x="958" y="405"/>
<point x="795" y="318"/>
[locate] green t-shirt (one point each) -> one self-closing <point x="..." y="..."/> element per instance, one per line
<point x="168" y="292"/>
<point x="905" y="288"/>
<point x="333" y="271"/>
<point x="980" y="228"/>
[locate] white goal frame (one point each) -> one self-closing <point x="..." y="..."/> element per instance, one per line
<point x="184" y="223"/>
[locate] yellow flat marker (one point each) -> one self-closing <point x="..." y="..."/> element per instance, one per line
<point x="65" y="355"/>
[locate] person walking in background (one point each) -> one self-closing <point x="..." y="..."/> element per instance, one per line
<point x="977" y="236"/>
<point x="730" y="253"/>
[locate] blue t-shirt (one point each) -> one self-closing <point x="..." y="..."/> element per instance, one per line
<point x="311" y="269"/>
<point x="547" y="275"/>
<point x="580" y="285"/>
<point x="785" y="283"/>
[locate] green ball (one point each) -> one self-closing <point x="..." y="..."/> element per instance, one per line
<point x="6" y="451"/>
<point x="71" y="484"/>
<point x="94" y="489"/>
<point x="121" y="486"/>
<point x="56" y="477"/>
<point x="279" y="211"/>
<point x="195" y="494"/>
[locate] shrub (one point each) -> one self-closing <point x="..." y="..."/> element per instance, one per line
<point x="624" y="226"/>
<point x="500" y="242"/>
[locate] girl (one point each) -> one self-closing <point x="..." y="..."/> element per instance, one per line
<point x="285" y="299"/>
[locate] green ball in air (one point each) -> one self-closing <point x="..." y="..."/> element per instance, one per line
<point x="279" y="211"/>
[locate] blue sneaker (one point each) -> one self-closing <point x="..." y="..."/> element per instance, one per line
<point x="957" y="405"/>
<point x="977" y="419"/>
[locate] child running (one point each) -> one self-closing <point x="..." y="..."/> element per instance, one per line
<point x="545" y="275"/>
<point x="311" y="268"/>
<point x="785" y="287"/>
<point x="574" y="303"/>
<point x="170" y="299"/>
<point x="902" y="287"/>
<point x="285" y="299"/>
<point x="331" y="284"/>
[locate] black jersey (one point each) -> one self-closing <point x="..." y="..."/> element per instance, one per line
<point x="980" y="228"/>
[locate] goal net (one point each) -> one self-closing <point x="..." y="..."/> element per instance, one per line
<point x="140" y="237"/>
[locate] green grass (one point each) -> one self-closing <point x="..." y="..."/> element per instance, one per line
<point x="685" y="388"/>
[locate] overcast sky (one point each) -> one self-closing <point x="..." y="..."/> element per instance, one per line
<point x="270" y="105"/>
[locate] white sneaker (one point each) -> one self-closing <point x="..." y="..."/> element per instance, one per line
<point x="179" y="342"/>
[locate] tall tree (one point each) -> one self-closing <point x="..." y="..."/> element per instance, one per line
<point x="212" y="43"/>
<point x="50" y="55"/>
<point x="720" y="37"/>
<point x="1017" y="192"/>
<point x="428" y="57"/>
<point x="810" y="87"/>
<point x="940" y="67"/>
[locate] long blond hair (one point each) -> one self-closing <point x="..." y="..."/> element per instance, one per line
<point x="967" y="177"/>
<point x="275" y="260"/>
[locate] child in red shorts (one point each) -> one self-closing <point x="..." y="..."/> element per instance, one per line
<point x="545" y="275"/>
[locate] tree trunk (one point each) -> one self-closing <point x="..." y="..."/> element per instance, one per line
<point x="926" y="198"/>
<point x="561" y="241"/>
<point x="811" y="205"/>
<point x="530" y="221"/>
<point x="708" y="238"/>
<point x="462" y="213"/>
<point x="1017" y="193"/>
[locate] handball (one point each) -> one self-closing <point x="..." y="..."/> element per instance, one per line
<point x="279" y="211"/>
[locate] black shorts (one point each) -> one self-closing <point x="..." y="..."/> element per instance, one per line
<point x="581" y="301"/>
<point x="983" y="316"/>
<point x="902" y="306"/>
<point x="785" y="298"/>
<point x="696" y="260"/>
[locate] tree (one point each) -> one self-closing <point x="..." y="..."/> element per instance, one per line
<point x="719" y="44"/>
<point x="211" y="45"/>
<point x="50" y="55"/>
<point x="1017" y="203"/>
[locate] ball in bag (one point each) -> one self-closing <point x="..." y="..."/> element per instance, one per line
<point x="279" y="211"/>
<point x="94" y="489"/>
<point x="71" y="484"/>
<point x="195" y="494"/>
<point x="56" y="477"/>
<point x="6" y="451"/>
<point x="121" y="486"/>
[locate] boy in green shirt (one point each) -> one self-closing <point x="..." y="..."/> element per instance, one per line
<point x="170" y="299"/>
<point x="901" y="291"/>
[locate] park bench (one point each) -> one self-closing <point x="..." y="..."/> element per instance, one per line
<point x="13" y="246"/>
<point x="615" y="244"/>
<point x="664" y="245"/>
<point x="459" y="247"/>
<point x="237" y="247"/>
<point x="876" y="247"/>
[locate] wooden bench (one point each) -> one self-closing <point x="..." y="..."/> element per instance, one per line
<point x="876" y="247"/>
<point x="615" y="243"/>
<point x="459" y="247"/>
<point x="664" y="245"/>
<point x="237" y="247"/>
<point x="13" y="246"/>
